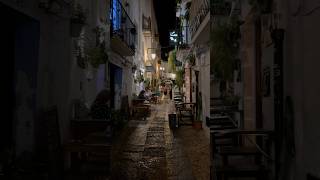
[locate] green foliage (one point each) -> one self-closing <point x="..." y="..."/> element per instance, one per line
<point x="225" y="45"/>
<point x="191" y="59"/>
<point x="97" y="56"/>
<point x="171" y="61"/>
<point x="139" y="78"/>
<point x="180" y="77"/>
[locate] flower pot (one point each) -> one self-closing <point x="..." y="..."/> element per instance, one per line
<point x="197" y="124"/>
<point x="76" y="29"/>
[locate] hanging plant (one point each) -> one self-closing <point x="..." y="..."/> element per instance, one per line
<point x="139" y="78"/>
<point x="97" y="56"/>
<point x="191" y="59"/>
<point x="171" y="61"/>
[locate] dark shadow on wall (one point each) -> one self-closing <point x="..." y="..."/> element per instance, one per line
<point x="19" y="39"/>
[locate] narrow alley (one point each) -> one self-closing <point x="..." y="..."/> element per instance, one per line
<point x="160" y="90"/>
<point x="149" y="149"/>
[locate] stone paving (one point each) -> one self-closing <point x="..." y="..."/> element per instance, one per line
<point x="149" y="150"/>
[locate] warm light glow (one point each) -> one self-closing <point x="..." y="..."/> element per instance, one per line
<point x="153" y="56"/>
<point x="173" y="76"/>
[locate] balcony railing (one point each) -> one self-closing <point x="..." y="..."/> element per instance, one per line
<point x="184" y="36"/>
<point x="146" y="23"/>
<point x="199" y="10"/>
<point x="121" y="24"/>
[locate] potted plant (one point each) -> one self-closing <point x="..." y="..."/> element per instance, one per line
<point x="180" y="78"/>
<point x="78" y="19"/>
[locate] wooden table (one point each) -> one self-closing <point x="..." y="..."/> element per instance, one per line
<point x="78" y="152"/>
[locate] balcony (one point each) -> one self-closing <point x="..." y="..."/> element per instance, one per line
<point x="123" y="31"/>
<point x="183" y="37"/>
<point x="199" y="19"/>
<point x="146" y="23"/>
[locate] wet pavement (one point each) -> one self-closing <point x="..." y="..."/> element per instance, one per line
<point x="149" y="150"/>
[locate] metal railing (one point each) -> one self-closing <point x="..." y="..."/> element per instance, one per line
<point x="121" y="24"/>
<point x="199" y="10"/>
<point x="184" y="36"/>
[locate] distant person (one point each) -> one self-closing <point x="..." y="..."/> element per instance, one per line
<point x="148" y="94"/>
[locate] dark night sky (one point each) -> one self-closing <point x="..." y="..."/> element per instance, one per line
<point x="166" y="14"/>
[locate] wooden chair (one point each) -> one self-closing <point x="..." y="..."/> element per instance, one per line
<point x="186" y="110"/>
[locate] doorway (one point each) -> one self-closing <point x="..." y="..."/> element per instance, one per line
<point x="115" y="85"/>
<point x="19" y="50"/>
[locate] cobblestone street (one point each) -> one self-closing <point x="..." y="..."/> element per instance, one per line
<point x="150" y="150"/>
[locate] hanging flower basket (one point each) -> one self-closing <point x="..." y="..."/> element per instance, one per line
<point x="97" y="56"/>
<point x="191" y="59"/>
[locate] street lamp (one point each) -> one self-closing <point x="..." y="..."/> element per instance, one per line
<point x="153" y="56"/>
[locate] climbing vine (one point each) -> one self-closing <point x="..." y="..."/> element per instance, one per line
<point x="225" y="44"/>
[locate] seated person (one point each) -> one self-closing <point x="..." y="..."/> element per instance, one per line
<point x="142" y="94"/>
<point x="148" y="94"/>
<point x="100" y="108"/>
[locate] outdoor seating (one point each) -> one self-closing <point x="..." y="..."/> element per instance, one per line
<point x="141" y="108"/>
<point x="88" y="151"/>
